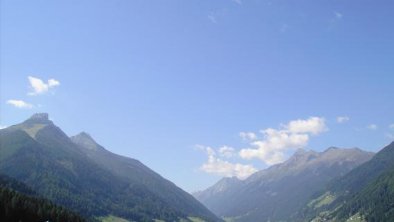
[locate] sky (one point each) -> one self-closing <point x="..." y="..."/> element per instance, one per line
<point x="202" y="89"/>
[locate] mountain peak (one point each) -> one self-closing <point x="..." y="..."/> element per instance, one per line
<point x="331" y="148"/>
<point x="39" y="118"/>
<point x="84" y="140"/>
<point x="84" y="135"/>
<point x="228" y="180"/>
<point x="301" y="156"/>
<point x="300" y="152"/>
<point x="225" y="183"/>
<point x="335" y="151"/>
<point x="222" y="186"/>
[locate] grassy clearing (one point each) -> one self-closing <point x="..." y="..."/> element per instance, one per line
<point x="324" y="199"/>
<point x="356" y="218"/>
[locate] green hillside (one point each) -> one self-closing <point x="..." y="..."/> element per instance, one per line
<point x="278" y="192"/>
<point x="366" y="191"/>
<point x="19" y="203"/>
<point x="55" y="167"/>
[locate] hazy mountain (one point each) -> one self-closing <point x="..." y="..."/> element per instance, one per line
<point x="215" y="196"/>
<point x="81" y="175"/>
<point x="137" y="173"/>
<point x="365" y="192"/>
<point x="276" y="193"/>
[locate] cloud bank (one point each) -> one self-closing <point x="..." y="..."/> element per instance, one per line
<point x="270" y="146"/>
<point x="275" y="143"/>
<point x="215" y="165"/>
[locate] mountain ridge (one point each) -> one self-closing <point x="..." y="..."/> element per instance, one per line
<point x="60" y="169"/>
<point x="285" y="186"/>
<point x="365" y="191"/>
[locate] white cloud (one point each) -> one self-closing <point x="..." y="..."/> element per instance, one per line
<point x="276" y="142"/>
<point x="53" y="82"/>
<point x="20" y="104"/>
<point x="227" y="169"/>
<point x="372" y="127"/>
<point x="3" y="127"/>
<point x="271" y="148"/>
<point x="248" y="136"/>
<point x="39" y="87"/>
<point x="224" y="168"/>
<point x="342" y="119"/>
<point x="314" y="125"/>
<point x="226" y="151"/>
<point x="391" y="126"/>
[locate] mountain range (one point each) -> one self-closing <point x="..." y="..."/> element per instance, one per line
<point x="47" y="175"/>
<point x="367" y="193"/>
<point x="278" y="192"/>
<point x="83" y="176"/>
<point x="336" y="185"/>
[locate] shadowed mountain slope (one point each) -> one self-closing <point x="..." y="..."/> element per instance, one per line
<point x="366" y="192"/>
<point x="83" y="176"/>
<point x="276" y="193"/>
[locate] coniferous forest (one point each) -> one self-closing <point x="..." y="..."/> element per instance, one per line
<point x="19" y="203"/>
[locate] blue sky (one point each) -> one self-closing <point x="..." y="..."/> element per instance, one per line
<point x="172" y="82"/>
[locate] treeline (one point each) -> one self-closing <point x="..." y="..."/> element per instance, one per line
<point x="19" y="203"/>
<point x="18" y="207"/>
<point x="375" y="202"/>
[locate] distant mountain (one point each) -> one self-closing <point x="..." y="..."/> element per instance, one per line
<point x="80" y="174"/>
<point x="18" y="203"/>
<point x="276" y="193"/>
<point x="215" y="196"/>
<point x="367" y="192"/>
